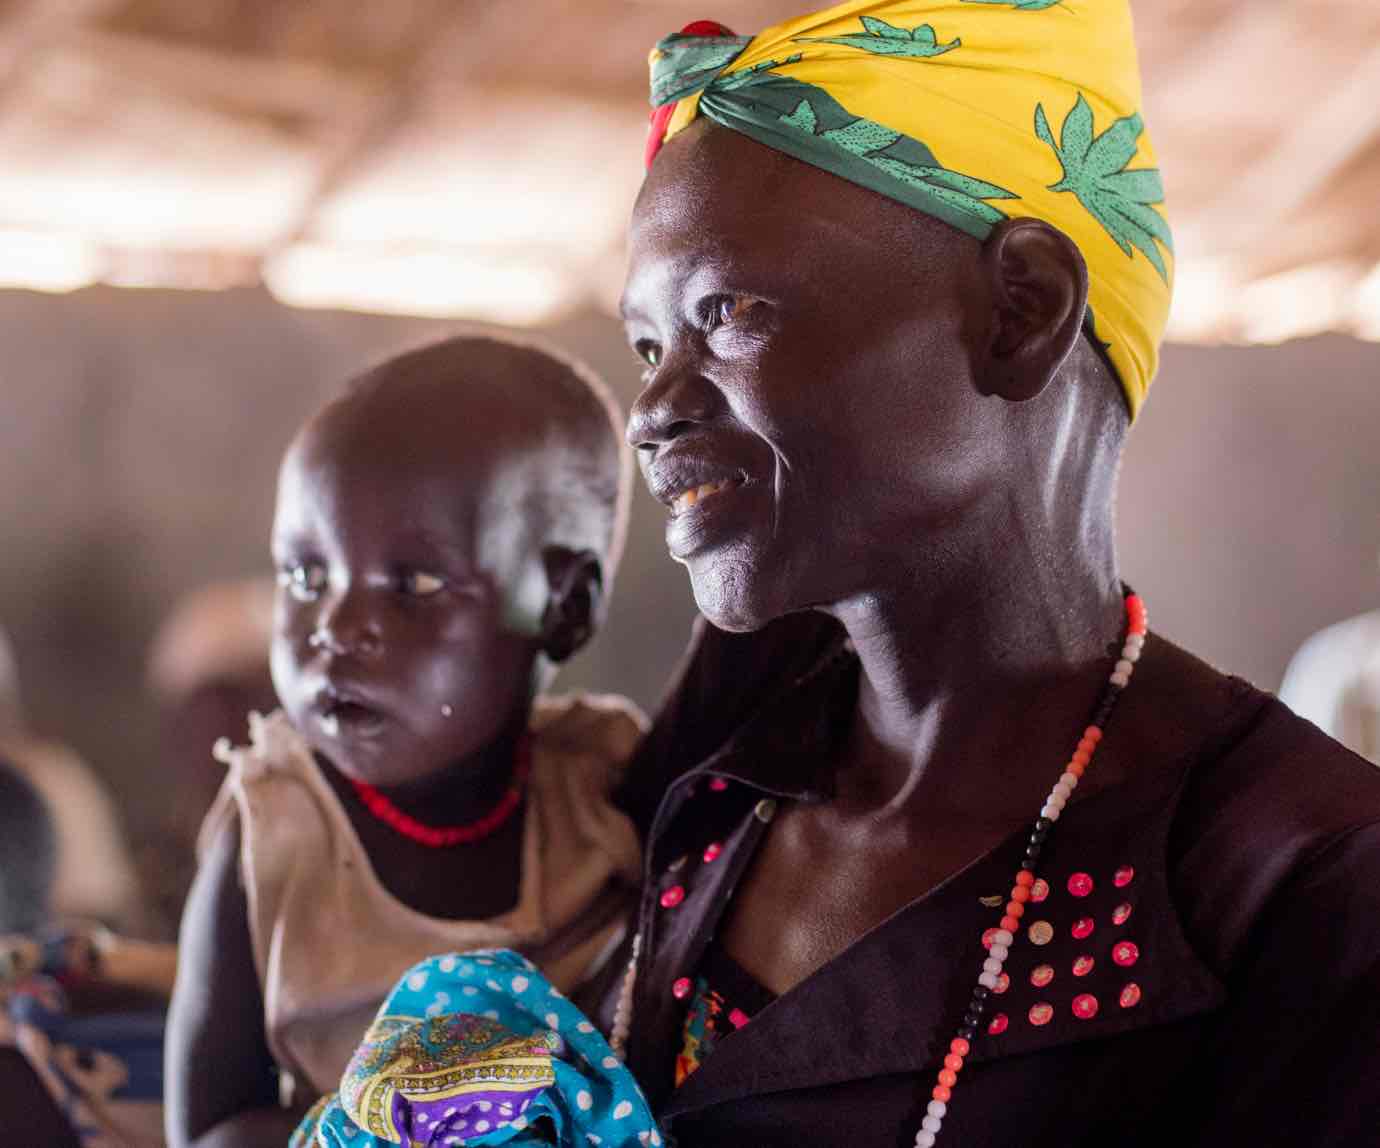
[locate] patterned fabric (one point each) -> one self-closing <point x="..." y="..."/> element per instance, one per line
<point x="724" y="998"/>
<point x="518" y="1065"/>
<point x="972" y="111"/>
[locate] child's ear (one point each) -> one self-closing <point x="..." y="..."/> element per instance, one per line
<point x="575" y="581"/>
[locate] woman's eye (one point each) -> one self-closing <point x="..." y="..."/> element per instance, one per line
<point x="420" y="584"/>
<point x="304" y="580"/>
<point x="732" y="307"/>
<point x="648" y="352"/>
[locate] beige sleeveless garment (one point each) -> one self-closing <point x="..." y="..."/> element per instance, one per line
<point x="330" y="941"/>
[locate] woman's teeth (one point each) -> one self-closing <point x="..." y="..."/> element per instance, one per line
<point x="689" y="498"/>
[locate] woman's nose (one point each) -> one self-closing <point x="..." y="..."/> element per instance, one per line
<point x="677" y="400"/>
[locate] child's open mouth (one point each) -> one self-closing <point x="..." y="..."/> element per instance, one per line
<point x="342" y="716"/>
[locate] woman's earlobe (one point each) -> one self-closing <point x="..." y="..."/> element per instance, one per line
<point x="1038" y="285"/>
<point x="575" y="579"/>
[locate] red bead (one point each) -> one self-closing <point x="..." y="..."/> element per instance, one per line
<point x="737" y="1017"/>
<point x="1093" y="733"/>
<point x="1003" y="983"/>
<point x="1040" y="890"/>
<point x="1010" y="924"/>
<point x="953" y="1063"/>
<point x="1020" y="893"/>
<point x="948" y="1077"/>
<point x="1081" y="757"/>
<point x="1015" y="909"/>
<point x="1085" y="1006"/>
<point x="998" y="1024"/>
<point x="1083" y="928"/>
<point x="941" y="1094"/>
<point x="1126" y="953"/>
<point x="1124" y="876"/>
<point x="1086" y="745"/>
<point x="1025" y="877"/>
<point x="718" y="784"/>
<point x="673" y="896"/>
<point x="1130" y="995"/>
<point x="959" y="1047"/>
<point x="1080" y="884"/>
<point x="712" y="852"/>
<point x="681" y="989"/>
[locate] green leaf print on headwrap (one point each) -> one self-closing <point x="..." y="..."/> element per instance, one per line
<point x="807" y="121"/>
<point x="1020" y="5"/>
<point x="1095" y="172"/>
<point x="883" y="39"/>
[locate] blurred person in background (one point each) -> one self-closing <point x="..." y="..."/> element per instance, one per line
<point x="81" y="1010"/>
<point x="1334" y="681"/>
<point x="208" y="670"/>
<point x="95" y="876"/>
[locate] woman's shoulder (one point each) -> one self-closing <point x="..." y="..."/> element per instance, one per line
<point x="1268" y="806"/>
<point x="607" y="726"/>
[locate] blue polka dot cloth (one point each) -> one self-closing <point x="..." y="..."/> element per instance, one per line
<point x="479" y="1048"/>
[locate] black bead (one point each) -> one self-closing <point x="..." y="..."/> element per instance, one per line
<point x="1033" y="851"/>
<point x="1028" y="865"/>
<point x="968" y="1032"/>
<point x="981" y="992"/>
<point x="1037" y="834"/>
<point x="1043" y="825"/>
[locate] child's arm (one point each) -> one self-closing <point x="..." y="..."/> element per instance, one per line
<point x="221" y="1090"/>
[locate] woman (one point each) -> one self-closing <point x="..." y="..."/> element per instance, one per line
<point x="990" y="866"/>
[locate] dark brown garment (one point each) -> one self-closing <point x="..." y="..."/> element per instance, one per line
<point x="1254" y="912"/>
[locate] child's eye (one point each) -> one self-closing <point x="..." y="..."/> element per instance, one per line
<point x="303" y="580"/>
<point x="420" y="584"/>
<point x="648" y="352"/>
<point x="728" y="308"/>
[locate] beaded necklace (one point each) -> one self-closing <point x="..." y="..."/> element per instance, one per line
<point x="441" y="837"/>
<point x="1137" y="626"/>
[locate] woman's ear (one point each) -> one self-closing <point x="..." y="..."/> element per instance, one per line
<point x="1038" y="286"/>
<point x="575" y="582"/>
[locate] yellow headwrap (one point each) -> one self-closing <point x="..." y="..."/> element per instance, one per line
<point x="972" y="111"/>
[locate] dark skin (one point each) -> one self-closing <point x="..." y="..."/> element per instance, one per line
<point x="890" y="422"/>
<point x="416" y="619"/>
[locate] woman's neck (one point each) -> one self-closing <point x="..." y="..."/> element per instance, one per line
<point x="967" y="681"/>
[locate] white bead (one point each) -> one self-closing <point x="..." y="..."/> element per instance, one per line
<point x="991" y="965"/>
<point x="988" y="980"/>
<point x="1130" y="653"/>
<point x="1120" y="679"/>
<point x="924" y="1139"/>
<point x="1056" y="799"/>
<point x="1049" y="812"/>
<point x="1125" y="667"/>
<point x="1069" y="779"/>
<point x="1002" y="937"/>
<point x="999" y="952"/>
<point x="1063" y="789"/>
<point x="931" y="1124"/>
<point x="938" y="1108"/>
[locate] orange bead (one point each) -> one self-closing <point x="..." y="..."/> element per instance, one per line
<point x="941" y="1094"/>
<point x="1093" y="734"/>
<point x="948" y="1078"/>
<point x="1010" y="923"/>
<point x="1086" y="744"/>
<point x="1025" y="877"/>
<point x="953" y="1063"/>
<point x="959" y="1046"/>
<point x="1020" y="893"/>
<point x="1077" y="768"/>
<point x="1081" y="757"/>
<point x="1015" y="909"/>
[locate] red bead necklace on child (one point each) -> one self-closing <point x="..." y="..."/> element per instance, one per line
<point x="444" y="836"/>
<point x="1137" y="625"/>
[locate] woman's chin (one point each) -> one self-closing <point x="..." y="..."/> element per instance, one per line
<point x="738" y="605"/>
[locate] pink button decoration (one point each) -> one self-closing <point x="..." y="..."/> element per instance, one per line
<point x="1083" y="928"/>
<point x="1080" y="884"/>
<point x="1126" y="953"/>
<point x="1085" y="1006"/>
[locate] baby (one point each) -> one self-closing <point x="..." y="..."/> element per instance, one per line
<point x="445" y="534"/>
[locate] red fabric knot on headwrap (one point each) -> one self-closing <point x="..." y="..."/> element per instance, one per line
<point x="661" y="116"/>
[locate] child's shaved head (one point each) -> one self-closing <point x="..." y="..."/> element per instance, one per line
<point x="579" y="486"/>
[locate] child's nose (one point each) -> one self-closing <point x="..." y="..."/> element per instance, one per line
<point x="346" y="626"/>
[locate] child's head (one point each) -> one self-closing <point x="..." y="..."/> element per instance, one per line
<point x="28" y="854"/>
<point x="445" y="531"/>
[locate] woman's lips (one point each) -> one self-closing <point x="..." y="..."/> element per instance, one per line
<point x="688" y="499"/>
